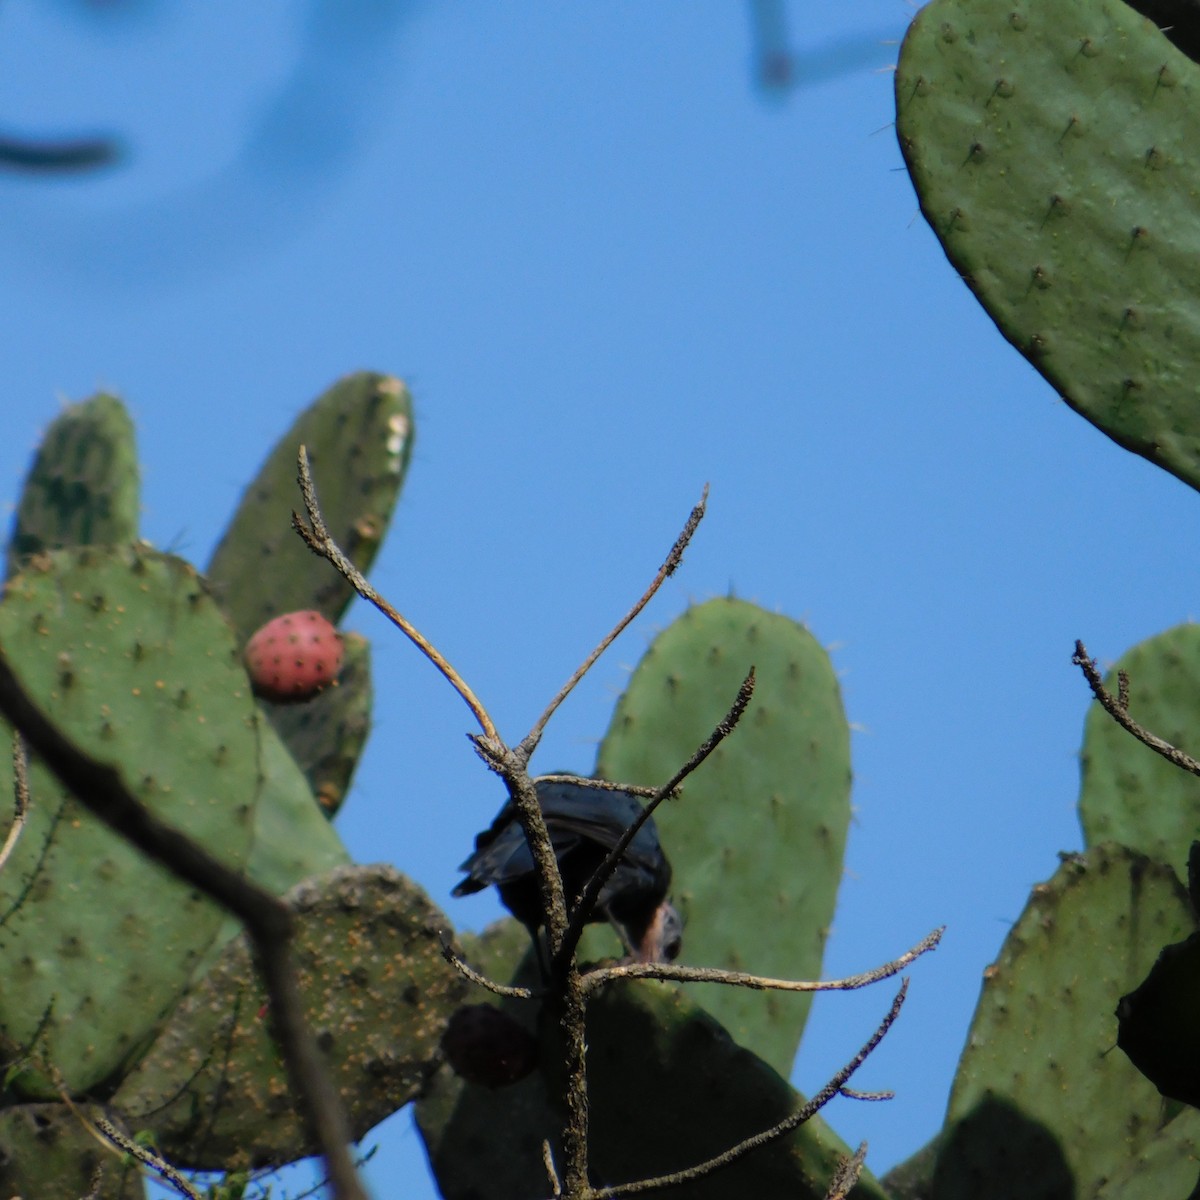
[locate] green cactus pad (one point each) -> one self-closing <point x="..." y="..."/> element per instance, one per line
<point x="1052" y="144"/>
<point x="326" y="734"/>
<point x="131" y="656"/>
<point x="1128" y="793"/>
<point x="656" y="1062"/>
<point x="1166" y="1167"/>
<point x="293" y="840"/>
<point x="1042" y="1106"/>
<point x="359" y="436"/>
<point x="378" y="992"/>
<point x="82" y="489"/>
<point x="756" y="842"/>
<point x="46" y="1153"/>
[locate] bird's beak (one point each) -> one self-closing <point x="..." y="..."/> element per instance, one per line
<point x="663" y="939"/>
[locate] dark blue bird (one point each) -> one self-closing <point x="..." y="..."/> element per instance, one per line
<point x="584" y="825"/>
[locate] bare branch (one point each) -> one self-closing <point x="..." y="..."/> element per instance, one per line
<point x="802" y="1114"/>
<point x="268" y="921"/>
<point x="464" y="968"/>
<point x="671" y="563"/>
<point x="20" y="798"/>
<point x="587" y="900"/>
<point x="1117" y="707"/>
<point x="846" y="1176"/>
<point x="854" y="1094"/>
<point x="147" y="1158"/>
<point x="317" y="538"/>
<point x="676" y="974"/>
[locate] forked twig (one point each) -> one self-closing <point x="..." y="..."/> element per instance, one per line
<point x="529" y="742"/>
<point x="598" y="977"/>
<point x="802" y="1114"/>
<point x="20" y="763"/>
<point x="1117" y="707"/>
<point x="587" y="900"/>
<point x="318" y="539"/>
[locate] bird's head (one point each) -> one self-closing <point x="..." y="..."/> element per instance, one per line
<point x="663" y="939"/>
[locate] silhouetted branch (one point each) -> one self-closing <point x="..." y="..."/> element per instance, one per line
<point x="1117" y="707"/>
<point x="268" y="921"/>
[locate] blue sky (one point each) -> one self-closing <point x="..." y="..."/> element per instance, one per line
<point x="611" y="269"/>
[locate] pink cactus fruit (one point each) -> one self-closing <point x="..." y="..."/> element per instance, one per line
<point x="484" y="1045"/>
<point x="292" y="657"/>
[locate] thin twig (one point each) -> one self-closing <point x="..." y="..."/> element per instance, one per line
<point x="318" y="539"/>
<point x="551" y="1173"/>
<point x="529" y="742"/>
<point x="872" y="1097"/>
<point x="846" y="1176"/>
<point x="802" y="1114"/>
<point x="1117" y="707"/>
<point x="20" y="798"/>
<point x="501" y="989"/>
<point x="268" y="921"/>
<point x="676" y="974"/>
<point x="148" y="1158"/>
<point x="587" y="899"/>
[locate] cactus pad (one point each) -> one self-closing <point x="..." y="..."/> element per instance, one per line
<point x="46" y="1153"/>
<point x="1051" y="143"/>
<point x="1128" y="793"/>
<point x="1040" y="1107"/>
<point x="378" y="993"/>
<point x="130" y="654"/>
<point x="756" y="842"/>
<point x="82" y="489"/>
<point x="359" y="436"/>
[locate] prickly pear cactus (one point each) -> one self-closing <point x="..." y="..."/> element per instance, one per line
<point x="756" y="842"/>
<point x="1051" y="143"/>
<point x="46" y="1150"/>
<point x="1166" y="1165"/>
<point x="1041" y="1107"/>
<point x="82" y="489"/>
<point x="668" y="1088"/>
<point x="377" y="991"/>
<point x="1128" y="793"/>
<point x="359" y="436"/>
<point x="128" y="651"/>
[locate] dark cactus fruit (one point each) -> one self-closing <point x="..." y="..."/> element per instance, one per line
<point x="485" y="1046"/>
